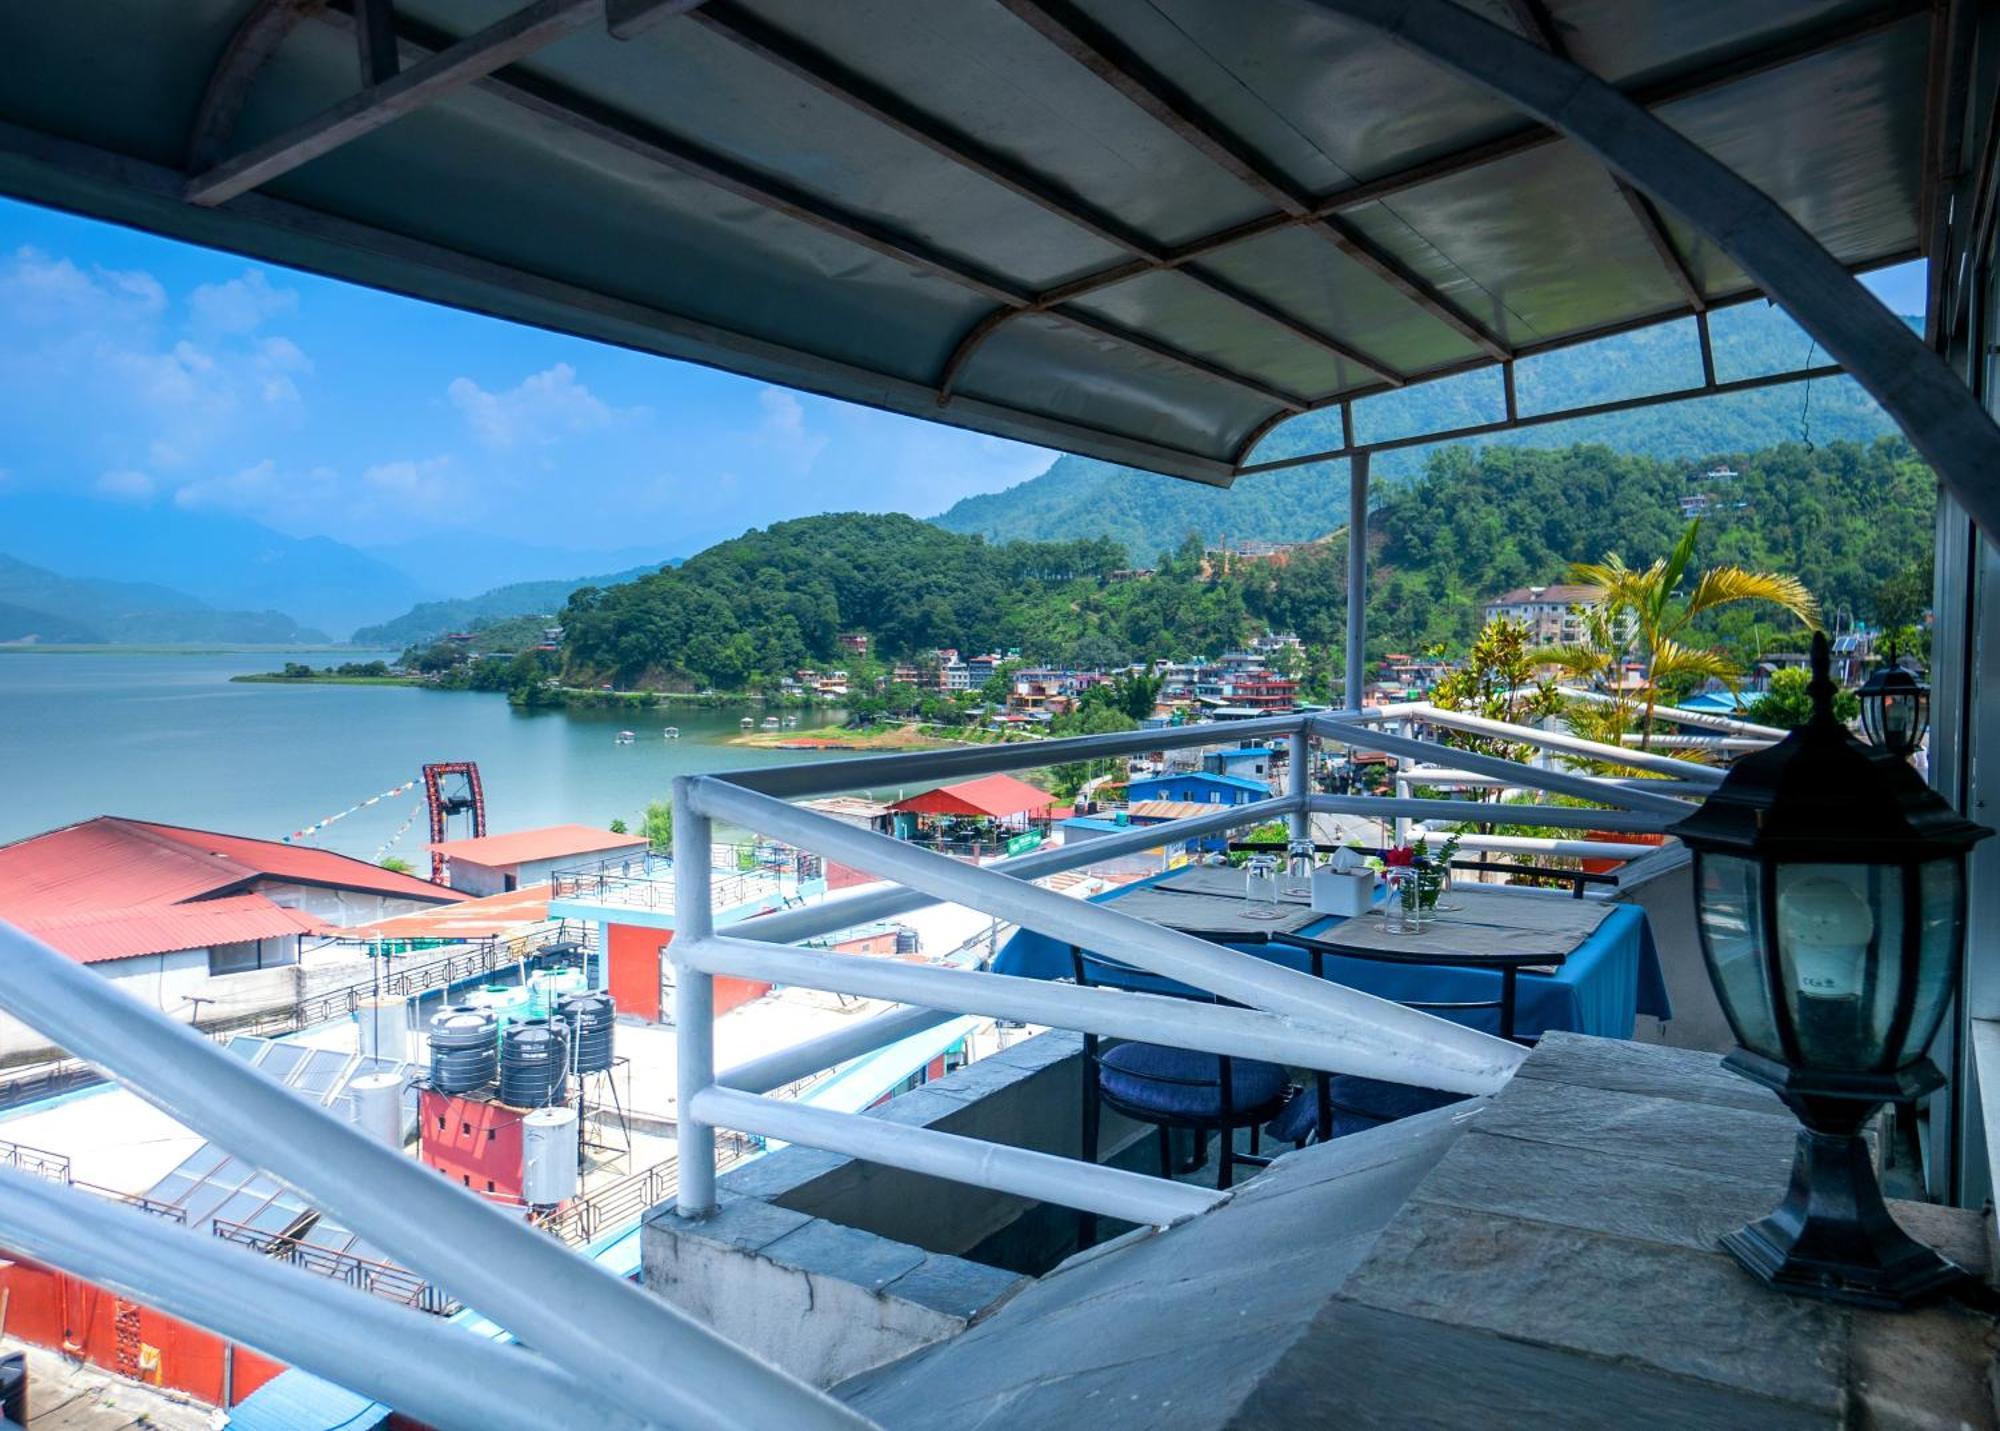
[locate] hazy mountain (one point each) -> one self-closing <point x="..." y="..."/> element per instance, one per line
<point x="228" y="563"/>
<point x="40" y="605"/>
<point x="429" y="620"/>
<point x="1083" y="497"/>
<point x="472" y="566"/>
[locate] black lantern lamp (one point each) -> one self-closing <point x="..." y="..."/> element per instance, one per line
<point x="1895" y="708"/>
<point x="1830" y="888"/>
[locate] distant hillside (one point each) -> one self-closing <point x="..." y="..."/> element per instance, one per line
<point x="40" y="605"/>
<point x="466" y="564"/>
<point x="428" y="620"/>
<point x="225" y="562"/>
<point x="1148" y="514"/>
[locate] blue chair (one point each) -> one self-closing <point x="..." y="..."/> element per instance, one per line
<point x="1174" y="1088"/>
<point x="1342" y="1103"/>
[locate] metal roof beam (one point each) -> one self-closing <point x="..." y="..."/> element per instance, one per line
<point x="628" y="19"/>
<point x="1538" y="25"/>
<point x="1846" y="31"/>
<point x="243" y="59"/>
<point x="1516" y="420"/>
<point x="1944" y="420"/>
<point x="578" y="114"/>
<point x="827" y="75"/>
<point x="1100" y="52"/>
<point x="511" y="38"/>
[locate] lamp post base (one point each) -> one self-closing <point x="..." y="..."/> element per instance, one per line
<point x="1832" y="1236"/>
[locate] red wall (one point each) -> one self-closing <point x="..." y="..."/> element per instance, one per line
<point x="634" y="979"/>
<point x="635" y="973"/>
<point x="473" y="1141"/>
<point x="63" y="1313"/>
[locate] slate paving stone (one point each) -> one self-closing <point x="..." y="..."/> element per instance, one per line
<point x="844" y="1253"/>
<point x="1697" y="1316"/>
<point x="1651" y="1069"/>
<point x="956" y="1287"/>
<point x="746" y="1224"/>
<point x="1597" y="1192"/>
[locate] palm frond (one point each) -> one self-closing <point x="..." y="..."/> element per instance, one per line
<point x="1718" y="586"/>
<point x="1671" y="660"/>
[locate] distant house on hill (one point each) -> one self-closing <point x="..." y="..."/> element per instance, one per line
<point x="1549" y="612"/>
<point x="1199" y="787"/>
<point x="500" y="864"/>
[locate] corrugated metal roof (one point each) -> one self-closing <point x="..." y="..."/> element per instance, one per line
<point x="298" y="1401"/>
<point x="468" y="919"/>
<point x="1146" y="230"/>
<point x="551" y="842"/>
<point x="97" y="935"/>
<point x="112" y="862"/>
<point x="994" y="796"/>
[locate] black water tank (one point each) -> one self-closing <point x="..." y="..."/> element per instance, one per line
<point x="591" y="1017"/>
<point x="464" y="1056"/>
<point x="534" y="1059"/>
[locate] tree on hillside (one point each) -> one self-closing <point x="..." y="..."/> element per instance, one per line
<point x="1498" y="682"/>
<point x="1644" y="616"/>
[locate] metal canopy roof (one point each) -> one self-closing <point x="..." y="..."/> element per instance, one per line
<point x="1144" y="230"/>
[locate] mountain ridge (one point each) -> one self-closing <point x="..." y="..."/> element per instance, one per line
<point x="428" y="620"/>
<point x="47" y="607"/>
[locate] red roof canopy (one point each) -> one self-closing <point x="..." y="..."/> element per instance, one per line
<point x="92" y="936"/>
<point x="994" y="796"/>
<point x="551" y="842"/>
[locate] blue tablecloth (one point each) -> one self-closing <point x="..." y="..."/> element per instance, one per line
<point x="1605" y="983"/>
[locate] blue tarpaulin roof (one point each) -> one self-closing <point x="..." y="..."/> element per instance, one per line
<point x="298" y="1401"/>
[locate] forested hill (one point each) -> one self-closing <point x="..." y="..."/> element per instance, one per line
<point x="1841" y="517"/>
<point x="428" y="620"/>
<point x="1080" y="496"/>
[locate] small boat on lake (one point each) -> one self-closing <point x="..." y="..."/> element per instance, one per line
<point x="770" y="722"/>
<point x="672" y="732"/>
<point x="748" y="722"/>
<point x="625" y="737"/>
<point x="791" y="722"/>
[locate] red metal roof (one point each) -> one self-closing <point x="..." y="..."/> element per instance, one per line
<point x="551" y="842"/>
<point x="468" y="919"/>
<point x="94" y="936"/>
<point x="994" y="796"/>
<point x="112" y="888"/>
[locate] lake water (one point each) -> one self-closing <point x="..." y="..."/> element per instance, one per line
<point x="169" y="737"/>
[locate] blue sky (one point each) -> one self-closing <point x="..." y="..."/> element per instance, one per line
<point x="138" y="370"/>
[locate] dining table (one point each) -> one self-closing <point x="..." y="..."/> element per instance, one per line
<point x="1580" y="965"/>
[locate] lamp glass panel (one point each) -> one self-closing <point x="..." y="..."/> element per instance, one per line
<point x="1840" y="929"/>
<point x="1732" y="939"/>
<point x="1941" y="916"/>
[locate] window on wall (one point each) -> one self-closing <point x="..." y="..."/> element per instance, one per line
<point x="252" y="954"/>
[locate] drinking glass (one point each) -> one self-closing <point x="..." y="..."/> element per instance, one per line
<point x="1395" y="909"/>
<point x="1260" y="888"/>
<point x="1299" y="869"/>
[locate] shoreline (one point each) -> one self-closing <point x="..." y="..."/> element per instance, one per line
<point x="837" y="738"/>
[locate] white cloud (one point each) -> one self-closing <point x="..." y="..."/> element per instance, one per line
<point x="782" y="434"/>
<point x="127" y="484"/>
<point x="103" y="341"/>
<point x="429" y="483"/>
<point x="241" y="305"/>
<point x="538" y="410"/>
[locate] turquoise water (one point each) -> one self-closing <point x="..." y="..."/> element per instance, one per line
<point x="169" y="737"/>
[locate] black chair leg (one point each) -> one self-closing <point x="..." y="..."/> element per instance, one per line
<point x="1225" y="1172"/>
<point x="1199" y="1158"/>
<point x="1256" y="1132"/>
<point x="1086" y="1222"/>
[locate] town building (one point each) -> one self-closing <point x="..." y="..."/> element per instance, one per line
<point x="204" y="926"/>
<point x="499" y="864"/>
<point x="1549" y="612"/>
<point x="1199" y="787"/>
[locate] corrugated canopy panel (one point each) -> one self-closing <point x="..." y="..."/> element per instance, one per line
<point x="1144" y="230"/>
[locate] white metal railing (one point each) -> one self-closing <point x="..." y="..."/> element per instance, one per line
<point x="1286" y="1016"/>
<point x="604" y="1353"/>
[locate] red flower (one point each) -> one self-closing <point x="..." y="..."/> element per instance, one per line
<point x="1399" y="858"/>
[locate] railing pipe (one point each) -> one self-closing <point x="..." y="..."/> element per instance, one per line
<point x="1436" y="775"/>
<point x="1114" y="1013"/>
<point x="789" y="926"/>
<point x="1553" y="740"/>
<point x="1493" y="812"/>
<point x="694" y="1003"/>
<point x="1384" y="1039"/>
<point x="815" y="1055"/>
<point x="653" y="1360"/>
<point x="1705" y="719"/>
<point x="1298" y="777"/>
<point x="1042" y="1177"/>
<point x="421" y="1366"/>
<point x="825" y="777"/>
<point x="1354" y="683"/>
<point x="1562" y="782"/>
<point x="1540" y="845"/>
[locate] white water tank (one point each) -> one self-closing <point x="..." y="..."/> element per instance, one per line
<point x="548" y="1156"/>
<point x="378" y="1106"/>
<point x="385" y="1028"/>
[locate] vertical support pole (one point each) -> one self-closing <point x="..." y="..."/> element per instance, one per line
<point x="694" y="1005"/>
<point x="1300" y="782"/>
<point x="1357" y="578"/>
